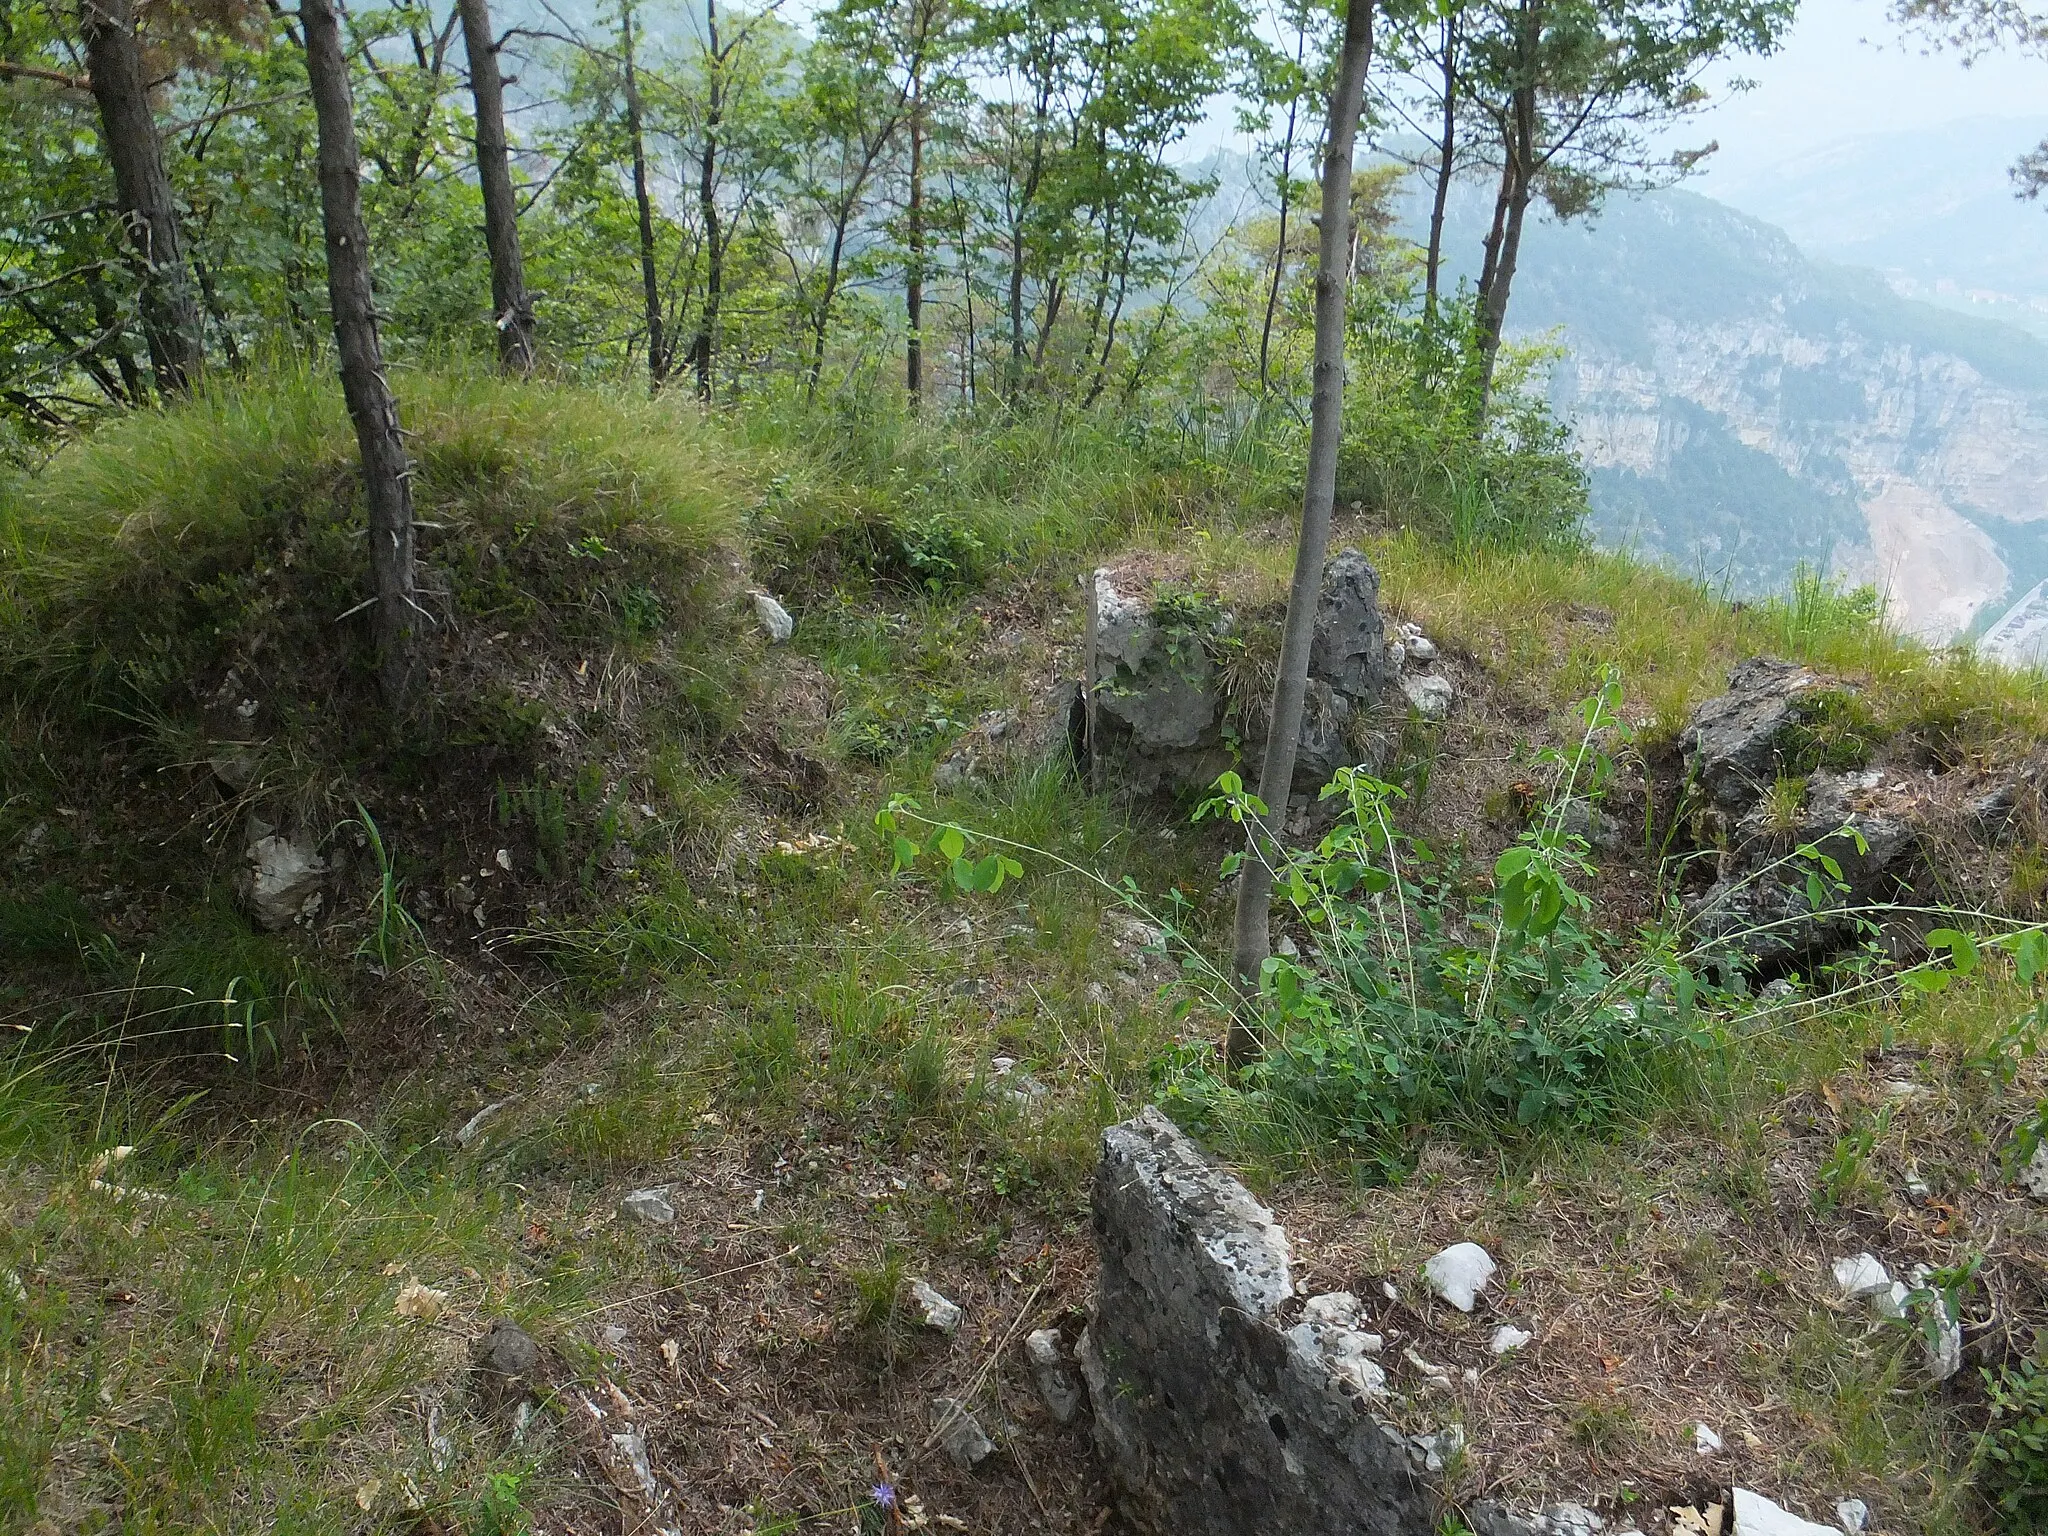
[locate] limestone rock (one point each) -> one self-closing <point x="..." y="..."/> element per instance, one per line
<point x="940" y="1314"/>
<point x="281" y="877"/>
<point x="1507" y="1337"/>
<point x="649" y="1205"/>
<point x="1210" y="1419"/>
<point x="1349" y="652"/>
<point x="1459" y="1274"/>
<point x="1756" y="1515"/>
<point x="773" y="618"/>
<point x="1852" y="1515"/>
<point x="1046" y="1354"/>
<point x="1733" y="742"/>
<point x="1430" y="694"/>
<point x="2034" y="1177"/>
<point x="961" y="1436"/>
<point x="1861" y="1277"/>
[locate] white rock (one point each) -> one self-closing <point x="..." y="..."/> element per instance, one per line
<point x="775" y="619"/>
<point x="1508" y="1337"/>
<point x="939" y="1313"/>
<point x="1459" y="1274"/>
<point x="1571" y="1520"/>
<point x="2034" y="1177"/>
<point x="1430" y="693"/>
<point x="961" y="1435"/>
<point x="649" y="1205"/>
<point x="1862" y="1277"/>
<point x="1438" y="1450"/>
<point x="1410" y="631"/>
<point x="473" y="1126"/>
<point x="1047" y="1356"/>
<point x="282" y="877"/>
<point x="1756" y="1515"/>
<point x="1705" y="1441"/>
<point x="1944" y="1354"/>
<point x="1853" y="1516"/>
<point x="1420" y="649"/>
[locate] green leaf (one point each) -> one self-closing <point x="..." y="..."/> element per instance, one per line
<point x="950" y="843"/>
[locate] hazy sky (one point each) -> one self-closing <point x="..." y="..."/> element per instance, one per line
<point x="1846" y="70"/>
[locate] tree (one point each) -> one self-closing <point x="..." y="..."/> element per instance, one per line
<point x="643" y="202"/>
<point x="149" y="213"/>
<point x="387" y="472"/>
<point x="511" y="307"/>
<point x="1573" y="92"/>
<point x="1319" y="495"/>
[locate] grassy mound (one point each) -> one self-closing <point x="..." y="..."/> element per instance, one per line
<point x="184" y="650"/>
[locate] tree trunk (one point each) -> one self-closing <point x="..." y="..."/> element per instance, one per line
<point x="643" y="201"/>
<point x="703" y="349"/>
<point x="1326" y="430"/>
<point x="170" y="304"/>
<point x="511" y="307"/>
<point x="1279" y="254"/>
<point x="1447" y="159"/>
<point x="1494" y="307"/>
<point x="913" y="275"/>
<point x="387" y="475"/>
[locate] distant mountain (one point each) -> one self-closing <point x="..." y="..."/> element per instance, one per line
<point x="1934" y="210"/>
<point x="1744" y="408"/>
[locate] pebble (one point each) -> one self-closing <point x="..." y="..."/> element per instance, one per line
<point x="1047" y="1356"/>
<point x="2034" y="1177"/>
<point x="1420" y="648"/>
<point x="1862" y="1277"/>
<point x="940" y="1314"/>
<point x="961" y="1436"/>
<point x="1705" y="1441"/>
<point x="649" y="1205"/>
<point x="1508" y="1337"/>
<point x="1853" y="1516"/>
<point x="1459" y="1274"/>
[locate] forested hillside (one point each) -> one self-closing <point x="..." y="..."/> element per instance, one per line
<point x="699" y="706"/>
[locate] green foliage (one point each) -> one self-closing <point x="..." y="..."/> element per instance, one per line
<point x="2013" y="1454"/>
<point x="1399" y="1023"/>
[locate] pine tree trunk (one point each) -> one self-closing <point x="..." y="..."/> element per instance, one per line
<point x="387" y="474"/>
<point x="171" y="323"/>
<point x="643" y="202"/>
<point x="511" y="307"/>
<point x="913" y="276"/>
<point x="1326" y="431"/>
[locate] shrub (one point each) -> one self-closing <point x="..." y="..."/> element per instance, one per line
<point x="2014" y="1450"/>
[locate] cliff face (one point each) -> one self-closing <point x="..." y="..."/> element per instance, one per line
<point x="1744" y="410"/>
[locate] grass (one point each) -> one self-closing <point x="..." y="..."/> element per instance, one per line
<point x="755" y="1011"/>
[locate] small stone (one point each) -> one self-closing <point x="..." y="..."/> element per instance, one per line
<point x="1459" y="1274"/>
<point x="1571" y="1519"/>
<point x="1861" y="1277"/>
<point x="506" y="1364"/>
<point x="1853" y="1516"/>
<point x="1431" y="694"/>
<point x="1778" y="990"/>
<point x="774" y="618"/>
<point x="1756" y="1515"/>
<point x="1097" y="994"/>
<point x="1438" y="1450"/>
<point x="1891" y="1301"/>
<point x="281" y="878"/>
<point x="1047" y="1356"/>
<point x="473" y="1126"/>
<point x="1944" y="1353"/>
<point x="2034" y="1177"/>
<point x="940" y="1315"/>
<point x="1705" y="1441"/>
<point x="649" y="1205"/>
<point x="1508" y="1338"/>
<point x="1901" y="1092"/>
<point x="1420" y="648"/>
<point x="960" y="1434"/>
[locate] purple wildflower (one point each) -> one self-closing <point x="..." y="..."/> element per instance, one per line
<point x="884" y="1495"/>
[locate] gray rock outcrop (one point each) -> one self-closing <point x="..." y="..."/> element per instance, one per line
<point x="282" y="878"/>
<point x="1734" y="744"/>
<point x="1212" y="1415"/>
<point x="1158" y="714"/>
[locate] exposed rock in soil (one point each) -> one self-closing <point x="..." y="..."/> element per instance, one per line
<point x="1212" y="1419"/>
<point x="960" y="1434"/>
<point x="1734" y="744"/>
<point x="1046" y="1354"/>
<point x="282" y="876"/>
<point x="1157" y="710"/>
<point x="506" y="1366"/>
